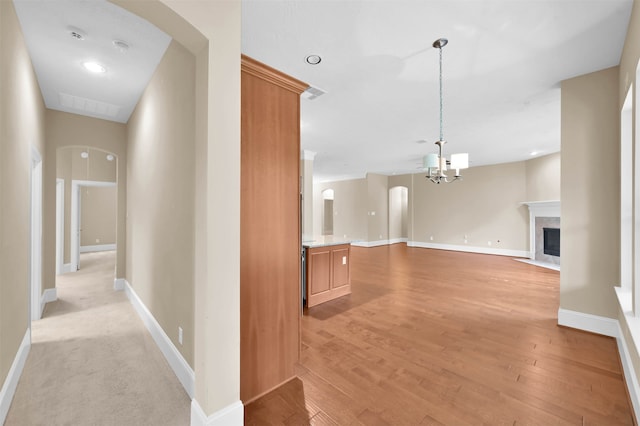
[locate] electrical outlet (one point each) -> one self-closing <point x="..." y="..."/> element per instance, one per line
<point x="488" y="243"/>
<point x="180" y="335"/>
<point x="97" y="240"/>
<point x="344" y="260"/>
<point x="431" y="238"/>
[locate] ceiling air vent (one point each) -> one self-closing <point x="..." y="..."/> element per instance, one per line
<point x="90" y="106"/>
<point x="312" y="93"/>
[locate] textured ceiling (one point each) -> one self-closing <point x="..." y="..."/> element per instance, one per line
<point x="502" y="72"/>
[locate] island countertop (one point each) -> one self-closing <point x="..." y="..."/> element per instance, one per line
<point x="324" y="241"/>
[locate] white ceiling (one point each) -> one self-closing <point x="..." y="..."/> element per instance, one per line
<point x="502" y="70"/>
<point x="57" y="57"/>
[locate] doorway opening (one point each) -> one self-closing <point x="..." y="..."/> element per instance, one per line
<point x="327" y="212"/>
<point x="86" y="202"/>
<point x="398" y="207"/>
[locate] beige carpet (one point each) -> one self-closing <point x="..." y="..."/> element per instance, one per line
<point x="92" y="361"/>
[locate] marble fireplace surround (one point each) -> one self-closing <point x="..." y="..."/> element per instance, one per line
<point x="542" y="214"/>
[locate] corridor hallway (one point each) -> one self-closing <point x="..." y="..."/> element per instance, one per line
<point x="92" y="361"/>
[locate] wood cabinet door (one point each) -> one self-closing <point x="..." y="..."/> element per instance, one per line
<point x="341" y="268"/>
<point x="319" y="272"/>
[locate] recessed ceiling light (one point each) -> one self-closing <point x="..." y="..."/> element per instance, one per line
<point x="313" y="59"/>
<point x="121" y="45"/>
<point x="84" y="154"/>
<point x="94" y="67"/>
<point x="109" y="157"/>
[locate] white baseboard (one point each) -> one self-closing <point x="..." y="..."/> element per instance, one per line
<point x="66" y="268"/>
<point x="587" y="322"/>
<point x="118" y="284"/>
<point x="630" y="376"/>
<point x="470" y="249"/>
<point x="398" y="240"/>
<point x="98" y="247"/>
<point x="175" y="359"/>
<point x="49" y="295"/>
<point x="231" y="415"/>
<point x="11" y="382"/>
<point x="370" y="243"/>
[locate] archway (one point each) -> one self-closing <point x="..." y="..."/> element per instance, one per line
<point x="398" y="207"/>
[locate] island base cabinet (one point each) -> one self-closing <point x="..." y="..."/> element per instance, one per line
<point x="328" y="273"/>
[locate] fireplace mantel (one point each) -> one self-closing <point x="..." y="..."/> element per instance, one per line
<point x="539" y="209"/>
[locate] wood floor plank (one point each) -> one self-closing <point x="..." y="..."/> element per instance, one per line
<point x="446" y="338"/>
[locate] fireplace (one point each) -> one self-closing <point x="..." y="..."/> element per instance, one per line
<point x="544" y="232"/>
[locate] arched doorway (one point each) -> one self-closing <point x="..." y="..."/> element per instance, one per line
<point x="327" y="212"/>
<point x="398" y="207"/>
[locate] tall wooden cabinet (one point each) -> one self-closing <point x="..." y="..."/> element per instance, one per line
<point x="269" y="228"/>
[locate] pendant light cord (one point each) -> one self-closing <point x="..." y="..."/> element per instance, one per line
<point x="441" y="132"/>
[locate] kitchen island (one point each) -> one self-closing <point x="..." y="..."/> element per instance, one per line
<point x="327" y="270"/>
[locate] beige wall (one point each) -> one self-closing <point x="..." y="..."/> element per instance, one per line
<point x="350" y="206"/>
<point x="484" y="206"/>
<point x="21" y="127"/>
<point x="378" y="207"/>
<point x="211" y="31"/>
<point x="543" y="178"/>
<point x="161" y="197"/>
<point x="98" y="215"/>
<point x="73" y="133"/>
<point x="590" y="201"/>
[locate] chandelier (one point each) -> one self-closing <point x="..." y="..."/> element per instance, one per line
<point x="436" y="164"/>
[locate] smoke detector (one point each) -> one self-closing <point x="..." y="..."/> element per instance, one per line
<point x="76" y="33"/>
<point x="120" y="45"/>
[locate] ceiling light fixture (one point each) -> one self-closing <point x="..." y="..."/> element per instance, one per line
<point x="94" y="67"/>
<point x="84" y="154"/>
<point x="436" y="164"/>
<point x="313" y="59"/>
<point x="110" y="157"/>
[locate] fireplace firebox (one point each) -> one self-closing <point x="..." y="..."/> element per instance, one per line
<point x="551" y="241"/>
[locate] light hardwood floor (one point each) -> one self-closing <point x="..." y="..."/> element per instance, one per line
<point x="437" y="337"/>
